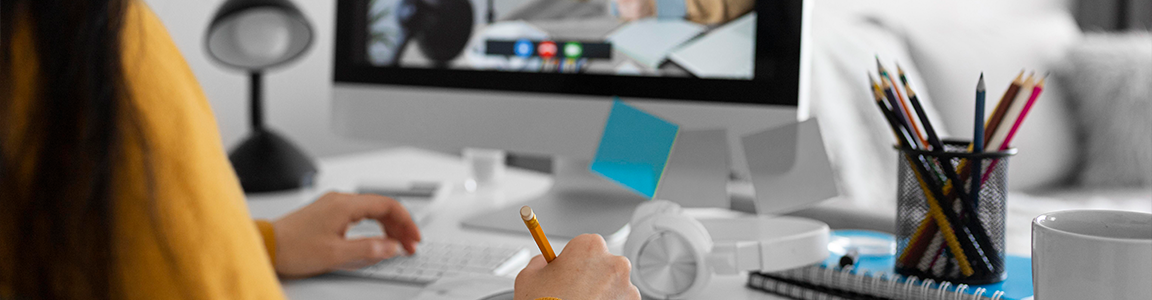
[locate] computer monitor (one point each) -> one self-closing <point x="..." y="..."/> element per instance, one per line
<point x="538" y="76"/>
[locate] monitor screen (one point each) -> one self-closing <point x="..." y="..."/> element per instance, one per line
<point x="742" y="51"/>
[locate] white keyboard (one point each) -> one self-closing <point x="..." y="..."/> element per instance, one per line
<point x="434" y="260"/>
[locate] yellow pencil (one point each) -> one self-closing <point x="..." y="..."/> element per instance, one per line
<point x="537" y="233"/>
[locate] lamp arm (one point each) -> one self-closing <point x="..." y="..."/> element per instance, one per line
<point x="257" y="99"/>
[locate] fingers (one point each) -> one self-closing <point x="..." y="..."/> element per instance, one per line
<point x="585" y="244"/>
<point x="623" y="268"/>
<point x="533" y="266"/>
<point x="536" y="263"/>
<point x="633" y="293"/>
<point x="397" y="222"/>
<point x="363" y="252"/>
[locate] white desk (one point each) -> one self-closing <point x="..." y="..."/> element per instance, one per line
<point x="345" y="172"/>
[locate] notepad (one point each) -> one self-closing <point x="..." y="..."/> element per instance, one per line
<point x="875" y="278"/>
<point x="649" y="41"/>
<point x="725" y="52"/>
<point x="634" y="148"/>
<point x="697" y="171"/>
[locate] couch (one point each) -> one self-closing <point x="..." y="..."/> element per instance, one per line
<point x="1086" y="143"/>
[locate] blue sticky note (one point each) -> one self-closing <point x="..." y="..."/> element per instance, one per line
<point x="634" y="148"/>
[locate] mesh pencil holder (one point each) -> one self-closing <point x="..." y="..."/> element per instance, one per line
<point x="944" y="233"/>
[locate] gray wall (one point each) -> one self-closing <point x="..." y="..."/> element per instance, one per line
<point x="297" y="96"/>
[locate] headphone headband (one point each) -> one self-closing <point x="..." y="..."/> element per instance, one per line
<point x="722" y="246"/>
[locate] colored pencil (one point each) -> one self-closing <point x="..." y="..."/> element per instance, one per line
<point x="1036" y="90"/>
<point x="978" y="179"/>
<point x="977" y="141"/>
<point x="927" y="261"/>
<point x="907" y="114"/>
<point x="993" y="123"/>
<point x="933" y="137"/>
<point x="942" y="216"/>
<point x="917" y="245"/>
<point x="901" y="115"/>
<point x="1027" y="108"/>
<point x="1011" y="114"/>
<point x="987" y="255"/>
<point x="1002" y="107"/>
<point x="926" y="227"/>
<point x="933" y="140"/>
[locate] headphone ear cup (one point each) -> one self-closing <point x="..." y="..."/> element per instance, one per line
<point x="667" y="252"/>
<point x="641" y="225"/>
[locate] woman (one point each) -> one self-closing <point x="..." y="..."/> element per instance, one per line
<point x="114" y="183"/>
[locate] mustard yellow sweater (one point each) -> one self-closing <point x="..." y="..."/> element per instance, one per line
<point x="216" y="251"/>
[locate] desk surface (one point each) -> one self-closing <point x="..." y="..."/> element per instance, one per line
<point x="343" y="173"/>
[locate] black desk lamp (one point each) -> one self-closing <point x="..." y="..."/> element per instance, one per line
<point x="257" y="35"/>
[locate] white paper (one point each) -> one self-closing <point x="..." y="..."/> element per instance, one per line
<point x="726" y="52"/>
<point x="648" y="41"/>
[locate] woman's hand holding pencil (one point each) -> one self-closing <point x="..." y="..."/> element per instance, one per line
<point x="583" y="270"/>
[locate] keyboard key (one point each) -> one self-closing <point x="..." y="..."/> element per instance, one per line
<point x="434" y="260"/>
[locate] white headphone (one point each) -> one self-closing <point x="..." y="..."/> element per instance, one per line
<point x="673" y="256"/>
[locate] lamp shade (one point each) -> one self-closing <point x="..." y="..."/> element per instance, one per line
<point x="258" y="34"/>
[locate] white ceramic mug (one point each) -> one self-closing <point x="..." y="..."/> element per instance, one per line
<point x="1092" y="254"/>
<point x="485" y="167"/>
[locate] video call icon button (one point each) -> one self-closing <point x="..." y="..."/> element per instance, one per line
<point x="547" y="49"/>
<point x="523" y="48"/>
<point x="573" y="50"/>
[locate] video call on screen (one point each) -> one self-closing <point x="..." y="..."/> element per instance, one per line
<point x="555" y="36"/>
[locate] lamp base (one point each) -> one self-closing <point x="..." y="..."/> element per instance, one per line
<point x="267" y="162"/>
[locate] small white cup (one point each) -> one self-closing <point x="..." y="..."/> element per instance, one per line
<point x="485" y="167"/>
<point x="1092" y="254"/>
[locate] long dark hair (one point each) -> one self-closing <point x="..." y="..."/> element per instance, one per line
<point x="56" y="213"/>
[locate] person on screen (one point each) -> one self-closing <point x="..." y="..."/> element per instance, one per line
<point x="707" y="12"/>
<point x="114" y="182"/>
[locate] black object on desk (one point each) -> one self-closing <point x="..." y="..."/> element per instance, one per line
<point x="850" y="258"/>
<point x="254" y="36"/>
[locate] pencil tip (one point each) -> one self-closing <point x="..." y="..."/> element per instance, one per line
<point x="1019" y="76"/>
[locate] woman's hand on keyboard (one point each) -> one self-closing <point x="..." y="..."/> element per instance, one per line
<point x="311" y="240"/>
<point x="584" y="270"/>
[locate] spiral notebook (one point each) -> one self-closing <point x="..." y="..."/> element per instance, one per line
<point x="873" y="277"/>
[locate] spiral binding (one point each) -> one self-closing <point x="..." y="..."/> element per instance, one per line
<point x="817" y="282"/>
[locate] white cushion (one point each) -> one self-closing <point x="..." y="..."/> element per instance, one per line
<point x="859" y="141"/>
<point x="951" y="44"/>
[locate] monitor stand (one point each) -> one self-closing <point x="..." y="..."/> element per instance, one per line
<point x="579" y="202"/>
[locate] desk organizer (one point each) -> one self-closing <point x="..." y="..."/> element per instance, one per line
<point x="944" y="233"/>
